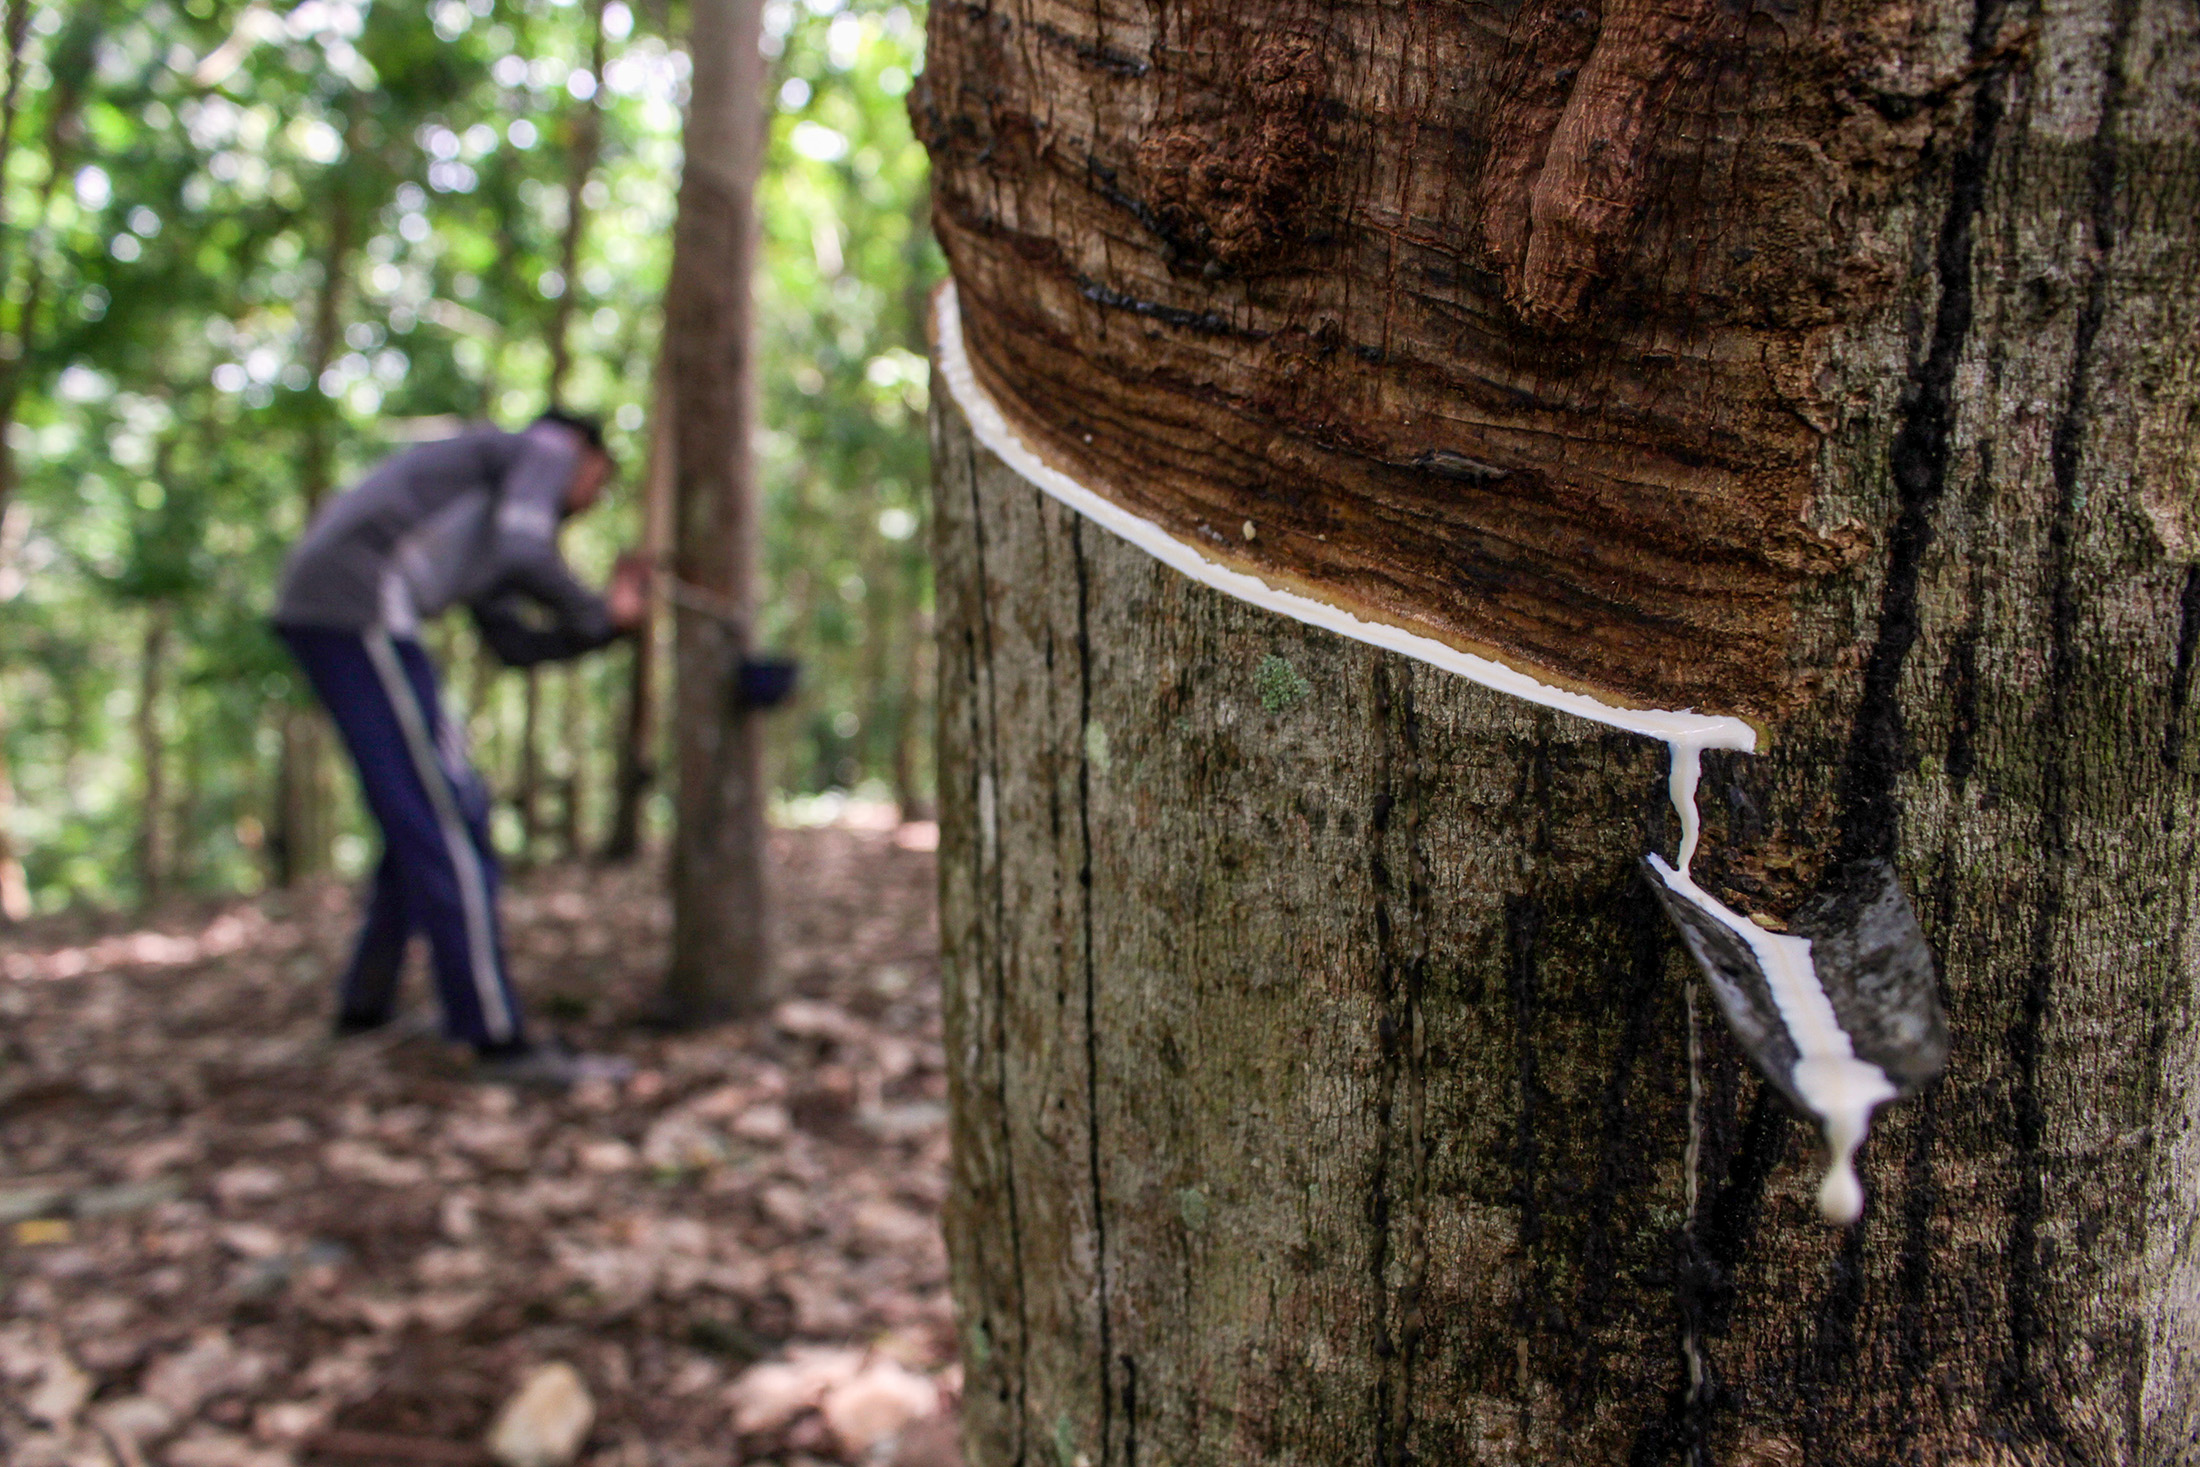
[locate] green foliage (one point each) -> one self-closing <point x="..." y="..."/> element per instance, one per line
<point x="849" y="262"/>
<point x="188" y="178"/>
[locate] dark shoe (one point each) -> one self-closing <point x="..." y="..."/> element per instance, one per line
<point x="351" y="1026"/>
<point x="549" y="1066"/>
<point x="393" y="1027"/>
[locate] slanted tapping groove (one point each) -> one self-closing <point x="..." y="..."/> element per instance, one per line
<point x="1814" y="1060"/>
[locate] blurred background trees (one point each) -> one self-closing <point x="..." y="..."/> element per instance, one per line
<point x="246" y="250"/>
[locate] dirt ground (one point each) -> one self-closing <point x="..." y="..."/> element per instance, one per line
<point x="227" y="1240"/>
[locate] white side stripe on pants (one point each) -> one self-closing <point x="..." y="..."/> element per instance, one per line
<point x="473" y="889"/>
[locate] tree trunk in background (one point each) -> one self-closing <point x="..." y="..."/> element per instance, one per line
<point x="186" y="844"/>
<point x="15" y="896"/>
<point x="23" y="271"/>
<point x="915" y="677"/>
<point x="305" y="822"/>
<point x="583" y="147"/>
<point x="527" y="787"/>
<point x="900" y="634"/>
<point x="881" y="709"/>
<point x="582" y="150"/>
<point x="152" y="752"/>
<point x="1327" y="1084"/>
<point x="573" y="786"/>
<point x="917" y="667"/>
<point x="638" y="736"/>
<point x="23" y="282"/>
<point x="299" y="844"/>
<point x="481" y="724"/>
<point x="15" y="891"/>
<point x="527" y="790"/>
<point x="720" y="939"/>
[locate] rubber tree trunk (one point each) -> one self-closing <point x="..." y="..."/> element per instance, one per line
<point x="15" y="891"/>
<point x="639" y="732"/>
<point x="573" y="782"/>
<point x="913" y="720"/>
<point x="583" y="147"/>
<point x="153" y="845"/>
<point x="527" y="788"/>
<point x="23" y="279"/>
<point x="1327" y="1084"/>
<point x="720" y="939"/>
<point x="15" y="898"/>
<point x="305" y="824"/>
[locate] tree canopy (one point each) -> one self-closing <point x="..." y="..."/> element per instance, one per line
<point x="246" y="250"/>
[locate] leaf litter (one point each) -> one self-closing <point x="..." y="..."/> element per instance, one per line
<point x="227" y="1240"/>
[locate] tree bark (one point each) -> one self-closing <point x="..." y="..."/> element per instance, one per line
<point x="15" y="890"/>
<point x="1328" y="1085"/>
<point x="153" y="846"/>
<point x="911" y="724"/>
<point x="305" y="818"/>
<point x="527" y="788"/>
<point x="23" y="281"/>
<point x="919" y="675"/>
<point x="184" y="868"/>
<point x="484" y="720"/>
<point x="638" y="736"/>
<point x="573" y="783"/>
<point x="584" y="144"/>
<point x="720" y="940"/>
<point x="583" y="147"/>
<point x="299" y="845"/>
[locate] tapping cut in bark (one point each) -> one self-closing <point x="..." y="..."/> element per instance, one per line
<point x="1768" y="984"/>
<point x="1529" y="419"/>
<point x="1216" y="565"/>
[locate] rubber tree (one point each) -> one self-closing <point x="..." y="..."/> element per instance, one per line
<point x="720" y="939"/>
<point x="1328" y="1083"/>
<point x="583" y="137"/>
<point x="26" y="291"/>
<point x="639" y="726"/>
<point x="300" y="843"/>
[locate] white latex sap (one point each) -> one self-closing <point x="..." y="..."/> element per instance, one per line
<point x="1839" y="1087"/>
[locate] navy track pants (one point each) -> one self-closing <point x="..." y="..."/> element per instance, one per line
<point x="438" y="874"/>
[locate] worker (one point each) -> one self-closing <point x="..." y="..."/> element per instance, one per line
<point x="471" y="520"/>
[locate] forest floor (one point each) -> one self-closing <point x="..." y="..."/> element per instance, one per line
<point x="227" y="1240"/>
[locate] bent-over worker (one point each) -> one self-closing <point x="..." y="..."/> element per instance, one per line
<point x="473" y="521"/>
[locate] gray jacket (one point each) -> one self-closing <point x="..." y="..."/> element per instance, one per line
<point x="472" y="521"/>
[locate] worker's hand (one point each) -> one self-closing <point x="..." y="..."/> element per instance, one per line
<point x="627" y="597"/>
